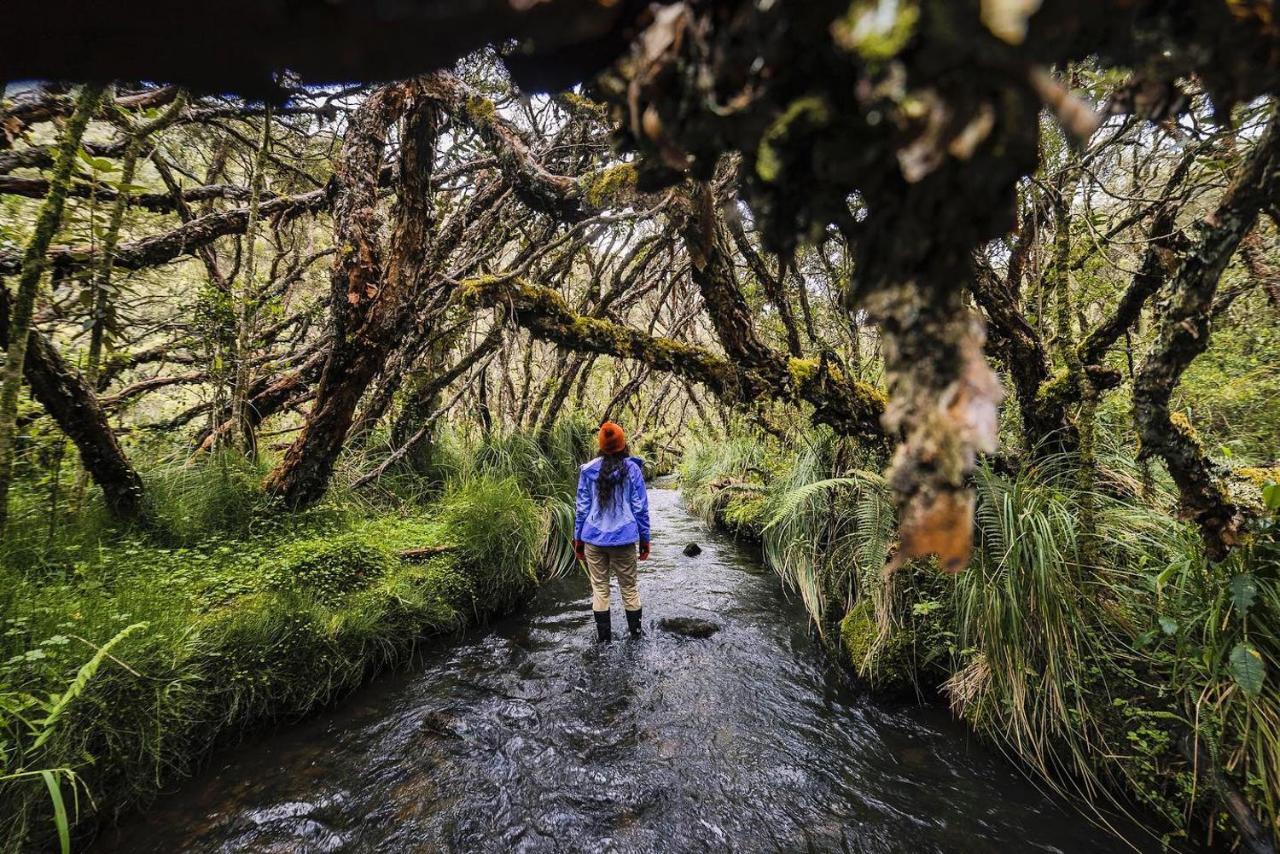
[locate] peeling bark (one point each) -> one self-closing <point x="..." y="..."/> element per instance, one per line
<point x="370" y="293"/>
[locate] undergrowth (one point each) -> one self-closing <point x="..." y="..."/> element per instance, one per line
<point x="1103" y="676"/>
<point x="126" y="655"/>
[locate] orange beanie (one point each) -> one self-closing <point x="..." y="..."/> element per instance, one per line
<point x="612" y="440"/>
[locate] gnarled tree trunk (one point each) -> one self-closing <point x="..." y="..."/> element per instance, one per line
<point x="72" y="404"/>
<point x="371" y="289"/>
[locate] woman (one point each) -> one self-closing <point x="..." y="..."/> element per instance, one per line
<point x="611" y="529"/>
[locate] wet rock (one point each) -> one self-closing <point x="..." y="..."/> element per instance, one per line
<point x="690" y="627"/>
<point x="692" y="550"/>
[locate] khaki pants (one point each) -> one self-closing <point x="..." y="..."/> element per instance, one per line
<point x="621" y="562"/>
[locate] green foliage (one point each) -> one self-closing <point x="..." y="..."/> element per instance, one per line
<point x="19" y="709"/>
<point x="721" y="481"/>
<point x="1247" y="669"/>
<point x="215" y="495"/>
<point x="1230" y="392"/>
<point x="1225" y="657"/>
<point x="222" y="616"/>
<point x="330" y="569"/>
<point x="1091" y="674"/>
<point x="499" y="531"/>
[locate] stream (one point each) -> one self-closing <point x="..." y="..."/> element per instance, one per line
<point x="530" y="736"/>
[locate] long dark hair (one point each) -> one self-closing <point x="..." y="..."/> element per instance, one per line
<point x="613" y="469"/>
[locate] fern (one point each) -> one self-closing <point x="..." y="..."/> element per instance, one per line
<point x="60" y="703"/>
<point x="786" y="504"/>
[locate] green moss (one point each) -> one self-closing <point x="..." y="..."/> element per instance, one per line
<point x="744" y="511"/>
<point x="858" y="634"/>
<point x="480" y="109"/>
<point x="1259" y="476"/>
<point x="884" y="662"/>
<point x="805" y="371"/>
<point x="802" y="370"/>
<point x="877" y="31"/>
<point x="583" y="104"/>
<point x="809" y="111"/>
<point x="870" y="396"/>
<point x="602" y="334"/>
<point x="1182" y="426"/>
<point x="434" y="596"/>
<point x="605" y="185"/>
<point x="1054" y="389"/>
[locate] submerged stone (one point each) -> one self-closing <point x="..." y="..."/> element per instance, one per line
<point x="692" y="550"/>
<point x="690" y="627"/>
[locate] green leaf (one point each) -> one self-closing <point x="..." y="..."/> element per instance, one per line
<point x="1244" y="589"/>
<point x="1168" y="625"/>
<point x="1248" y="669"/>
<point x="59" y="811"/>
<point x="1271" y="496"/>
<point x="98" y="164"/>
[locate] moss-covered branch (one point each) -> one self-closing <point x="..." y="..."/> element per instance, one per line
<point x="34" y="264"/>
<point x="1184" y="335"/>
<point x="848" y="406"/>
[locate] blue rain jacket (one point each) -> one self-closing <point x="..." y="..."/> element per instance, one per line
<point x="626" y="521"/>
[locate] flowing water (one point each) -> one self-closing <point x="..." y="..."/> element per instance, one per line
<point x="532" y="737"/>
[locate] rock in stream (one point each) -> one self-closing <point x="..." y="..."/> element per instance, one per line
<point x="690" y="627"/>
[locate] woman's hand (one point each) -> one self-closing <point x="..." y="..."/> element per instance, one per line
<point x="643" y="553"/>
<point x="580" y="550"/>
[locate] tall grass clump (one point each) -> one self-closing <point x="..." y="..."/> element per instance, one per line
<point x="1116" y="661"/>
<point x="826" y="526"/>
<point x="217" y="494"/>
<point x="499" y="531"/>
<point x="723" y="481"/>
<point x="542" y="465"/>
<point x="1031" y="636"/>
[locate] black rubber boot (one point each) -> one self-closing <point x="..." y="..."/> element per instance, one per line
<point x="604" y="629"/>
<point x="633" y="622"/>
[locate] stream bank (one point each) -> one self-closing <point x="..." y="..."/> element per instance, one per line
<point x="531" y="737"/>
